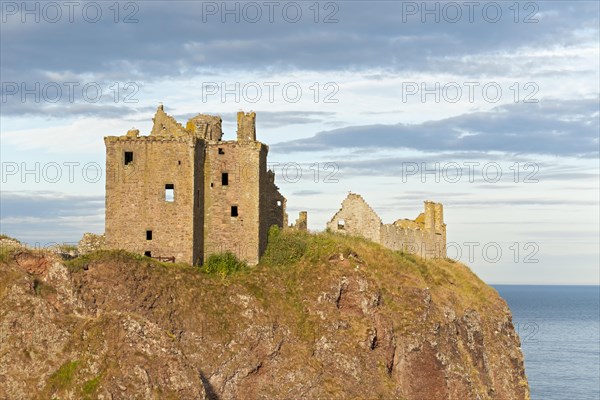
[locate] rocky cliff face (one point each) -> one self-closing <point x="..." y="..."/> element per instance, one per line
<point x="350" y="320"/>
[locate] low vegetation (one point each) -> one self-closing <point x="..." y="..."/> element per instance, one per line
<point x="100" y="256"/>
<point x="63" y="377"/>
<point x="223" y="264"/>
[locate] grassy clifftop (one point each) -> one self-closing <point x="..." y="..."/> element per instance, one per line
<point x="321" y="316"/>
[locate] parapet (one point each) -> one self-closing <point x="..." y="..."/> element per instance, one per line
<point x="246" y="126"/>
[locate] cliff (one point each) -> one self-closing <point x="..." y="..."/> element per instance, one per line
<point x="321" y="317"/>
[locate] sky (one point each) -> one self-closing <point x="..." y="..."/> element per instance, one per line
<point x="491" y="108"/>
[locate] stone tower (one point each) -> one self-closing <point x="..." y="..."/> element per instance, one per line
<point x="184" y="193"/>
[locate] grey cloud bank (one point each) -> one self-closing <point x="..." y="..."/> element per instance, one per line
<point x="549" y="127"/>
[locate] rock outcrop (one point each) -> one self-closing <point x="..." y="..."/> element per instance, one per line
<point x="347" y="320"/>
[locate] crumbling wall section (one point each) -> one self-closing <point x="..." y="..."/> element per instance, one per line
<point x="425" y="236"/>
<point x="301" y="223"/>
<point x="356" y="218"/>
<point x="207" y="127"/>
<point x="165" y="125"/>
<point x="273" y="205"/>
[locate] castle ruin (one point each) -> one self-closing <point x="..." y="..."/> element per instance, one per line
<point x="425" y="236"/>
<point x="183" y="193"/>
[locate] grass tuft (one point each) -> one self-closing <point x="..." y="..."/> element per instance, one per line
<point x="89" y="387"/>
<point x="223" y="264"/>
<point x="285" y="246"/>
<point x="63" y="377"/>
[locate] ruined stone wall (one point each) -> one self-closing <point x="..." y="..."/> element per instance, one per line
<point x="301" y="223"/>
<point x="357" y="218"/>
<point x="273" y="204"/>
<point x="419" y="241"/>
<point x="135" y="194"/>
<point x="165" y="125"/>
<point x="402" y="238"/>
<point x="425" y="236"/>
<point x="206" y="127"/>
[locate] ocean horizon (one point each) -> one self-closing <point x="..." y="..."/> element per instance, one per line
<point x="559" y="327"/>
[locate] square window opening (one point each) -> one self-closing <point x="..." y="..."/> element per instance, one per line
<point x="341" y="224"/>
<point x="148" y="254"/>
<point x="234" y="211"/>
<point x="278" y="203"/>
<point x="169" y="192"/>
<point x="224" y="179"/>
<point x="221" y="151"/>
<point x="128" y="158"/>
<point x="148" y="235"/>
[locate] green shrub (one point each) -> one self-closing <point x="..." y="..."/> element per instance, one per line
<point x="285" y="246"/>
<point x="223" y="264"/>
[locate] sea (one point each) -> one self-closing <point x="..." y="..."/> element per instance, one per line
<point x="559" y="327"/>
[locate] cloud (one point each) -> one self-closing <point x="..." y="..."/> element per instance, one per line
<point x="307" y="193"/>
<point x="186" y="38"/>
<point x="517" y="202"/>
<point x="274" y="119"/>
<point x="50" y="217"/>
<point x="77" y="108"/>
<point x="550" y="127"/>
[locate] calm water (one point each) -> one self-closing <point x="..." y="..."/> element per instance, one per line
<point x="559" y="329"/>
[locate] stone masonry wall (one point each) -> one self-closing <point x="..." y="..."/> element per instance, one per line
<point x="224" y="232"/>
<point x="135" y="195"/>
<point x="356" y="217"/>
<point x="301" y="223"/>
<point x="425" y="236"/>
<point x="273" y="205"/>
<point x="211" y="212"/>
